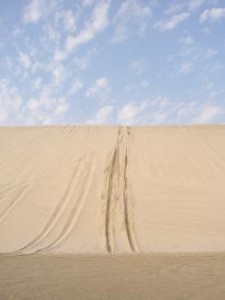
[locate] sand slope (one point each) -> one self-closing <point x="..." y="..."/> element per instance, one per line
<point x="95" y="189"/>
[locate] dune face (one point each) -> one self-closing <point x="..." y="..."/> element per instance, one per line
<point x="115" y="190"/>
<point x="119" y="212"/>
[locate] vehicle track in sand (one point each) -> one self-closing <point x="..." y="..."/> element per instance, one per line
<point x="127" y="212"/>
<point x="57" y="213"/>
<point x="14" y="202"/>
<point x="108" y="215"/>
<point x="75" y="212"/>
<point x="118" y="190"/>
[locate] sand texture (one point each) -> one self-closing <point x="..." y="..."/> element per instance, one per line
<point x="116" y="190"/>
<point x="120" y="213"/>
<point x="112" y="277"/>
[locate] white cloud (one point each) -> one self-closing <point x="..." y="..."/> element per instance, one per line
<point x="132" y="16"/>
<point x="59" y="55"/>
<point x="172" y="22"/>
<point x="25" y="60"/>
<point x="212" y="15"/>
<point x="184" y="111"/>
<point x="208" y="114"/>
<point x="33" y="11"/>
<point x="62" y="106"/>
<point x="160" y="102"/>
<point x="187" y="40"/>
<point x="185" y="68"/>
<point x="59" y="74"/>
<point x="67" y="18"/>
<point x="129" y="113"/>
<point x="96" y="25"/>
<point x="188" y="5"/>
<point x="45" y="110"/>
<point x="101" y="85"/>
<point x="195" y="4"/>
<point x="144" y="84"/>
<point x="10" y="102"/>
<point x="37" y="83"/>
<point x="159" y="118"/>
<point x="69" y="21"/>
<point x="104" y="112"/>
<point x="102" y="116"/>
<point x="82" y="62"/>
<point x="76" y="86"/>
<point x="33" y="104"/>
<point x="88" y="2"/>
<point x="175" y="8"/>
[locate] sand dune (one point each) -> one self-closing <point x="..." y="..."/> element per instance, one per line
<point x="119" y="212"/>
<point x="96" y="189"/>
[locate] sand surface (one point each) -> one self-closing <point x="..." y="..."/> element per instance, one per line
<point x="97" y="205"/>
<point x="112" y="189"/>
<point x="112" y="277"/>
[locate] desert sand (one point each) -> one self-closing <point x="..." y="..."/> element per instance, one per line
<point x="112" y="212"/>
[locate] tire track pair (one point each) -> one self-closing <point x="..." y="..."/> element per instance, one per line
<point x="58" y="212"/>
<point x="76" y="211"/>
<point x="114" y="176"/>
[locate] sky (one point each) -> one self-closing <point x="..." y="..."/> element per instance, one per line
<point x="131" y="62"/>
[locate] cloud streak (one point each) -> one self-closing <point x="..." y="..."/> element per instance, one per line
<point x="97" y="24"/>
<point x="172" y="22"/>
<point x="212" y="15"/>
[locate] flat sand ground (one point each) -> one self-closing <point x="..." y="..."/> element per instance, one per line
<point x="84" y="277"/>
<point x="86" y="212"/>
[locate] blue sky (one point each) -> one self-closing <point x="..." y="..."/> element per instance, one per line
<point x="112" y="62"/>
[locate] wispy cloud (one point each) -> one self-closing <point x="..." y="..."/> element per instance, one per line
<point x="132" y="16"/>
<point x="193" y="5"/>
<point x="181" y="6"/>
<point x="59" y="74"/>
<point x="102" y="116"/>
<point x="76" y="86"/>
<point x="212" y="15"/>
<point x="10" y="102"/>
<point x="208" y="114"/>
<point x="185" y="68"/>
<point x="99" y="90"/>
<point x="103" y="61"/>
<point x="25" y="60"/>
<point x="68" y="19"/>
<point x="33" y="11"/>
<point x="130" y="113"/>
<point x="172" y="22"/>
<point x="99" y="21"/>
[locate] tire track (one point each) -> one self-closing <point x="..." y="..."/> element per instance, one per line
<point x="14" y="202"/>
<point x="108" y="215"/>
<point x="56" y="214"/>
<point x="59" y="210"/>
<point x="8" y="189"/>
<point x="127" y="211"/>
<point x="118" y="173"/>
<point x="74" y="215"/>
